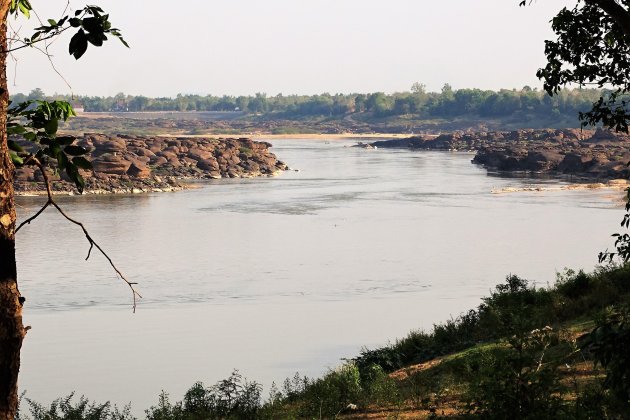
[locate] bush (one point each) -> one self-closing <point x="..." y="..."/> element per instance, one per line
<point x="231" y="398"/>
<point x="83" y="409"/>
<point x="609" y="344"/>
<point x="516" y="380"/>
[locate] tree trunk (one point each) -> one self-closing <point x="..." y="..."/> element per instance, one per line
<point x="12" y="331"/>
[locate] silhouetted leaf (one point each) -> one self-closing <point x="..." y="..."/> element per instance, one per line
<point x="78" y="44"/>
<point x="65" y="140"/>
<point x="82" y="162"/>
<point x="75" y="150"/>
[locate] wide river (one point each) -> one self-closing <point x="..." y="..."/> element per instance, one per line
<point x="285" y="274"/>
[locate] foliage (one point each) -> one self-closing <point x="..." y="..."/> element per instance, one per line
<point x="513" y="306"/>
<point x="519" y="105"/>
<point x="517" y="380"/>
<point x="609" y="343"/>
<point x="231" y="398"/>
<point x="622" y="241"/>
<point x="341" y="391"/>
<point x="35" y="121"/>
<point x="83" y="409"/>
<point x="92" y="23"/>
<point x="590" y="49"/>
<point x="36" y="124"/>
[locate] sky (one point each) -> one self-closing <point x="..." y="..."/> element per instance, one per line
<point x="240" y="47"/>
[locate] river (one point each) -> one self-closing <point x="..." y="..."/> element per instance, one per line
<point x="285" y="274"/>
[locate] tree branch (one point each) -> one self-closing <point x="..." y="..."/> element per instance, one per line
<point x="51" y="202"/>
<point x="615" y="11"/>
<point x="30" y="44"/>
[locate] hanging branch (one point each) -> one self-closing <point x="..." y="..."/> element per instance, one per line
<point x="51" y="202"/>
<point x="16" y="37"/>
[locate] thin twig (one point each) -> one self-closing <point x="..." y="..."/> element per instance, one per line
<point x="30" y="44"/>
<point x="49" y="56"/>
<point x="51" y="202"/>
<point x="35" y="216"/>
<point x="44" y="50"/>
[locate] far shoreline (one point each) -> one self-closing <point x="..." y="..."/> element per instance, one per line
<point x="298" y="136"/>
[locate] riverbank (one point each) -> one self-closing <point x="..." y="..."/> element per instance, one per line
<point x="240" y="263"/>
<point x="551" y="352"/>
<point x="618" y="185"/>
<point x="125" y="164"/>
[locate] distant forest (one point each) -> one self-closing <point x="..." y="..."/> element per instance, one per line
<point x="419" y="103"/>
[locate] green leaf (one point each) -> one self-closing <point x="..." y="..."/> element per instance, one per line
<point x="75" y="150"/>
<point x="62" y="161"/>
<point x="30" y="136"/>
<point x="123" y="41"/>
<point x="79" y="182"/>
<point x="75" y="176"/>
<point x="14" y="146"/>
<point x="25" y="8"/>
<point x="15" y="129"/>
<point x="82" y="162"/>
<point x="51" y="127"/>
<point x="52" y="22"/>
<point x="16" y="159"/>
<point x="53" y="151"/>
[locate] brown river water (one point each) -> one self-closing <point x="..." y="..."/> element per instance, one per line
<point x="285" y="274"/>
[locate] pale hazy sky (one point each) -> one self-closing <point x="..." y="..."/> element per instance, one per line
<point x="299" y="46"/>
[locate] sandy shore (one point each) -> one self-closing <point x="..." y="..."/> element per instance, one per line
<point x="617" y="188"/>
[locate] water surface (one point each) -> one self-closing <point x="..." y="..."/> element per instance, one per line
<point x="275" y="275"/>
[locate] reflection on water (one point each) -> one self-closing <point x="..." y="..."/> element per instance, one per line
<point x="276" y="275"/>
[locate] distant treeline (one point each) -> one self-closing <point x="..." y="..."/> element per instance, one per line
<point x="418" y="102"/>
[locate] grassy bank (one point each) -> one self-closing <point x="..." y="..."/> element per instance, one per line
<point x="524" y="352"/>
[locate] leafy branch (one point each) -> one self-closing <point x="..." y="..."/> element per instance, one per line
<point x="92" y="23"/>
<point x="32" y="125"/>
<point x="36" y="122"/>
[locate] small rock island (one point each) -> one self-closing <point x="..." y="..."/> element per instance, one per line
<point x="136" y="164"/>
<point x="588" y="154"/>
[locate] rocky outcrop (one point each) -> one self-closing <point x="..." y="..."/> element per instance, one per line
<point x="597" y="154"/>
<point x="127" y="164"/>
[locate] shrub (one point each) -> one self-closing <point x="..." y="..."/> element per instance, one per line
<point x="231" y="398"/>
<point x="83" y="409"/>
<point x="609" y="343"/>
<point x="516" y="380"/>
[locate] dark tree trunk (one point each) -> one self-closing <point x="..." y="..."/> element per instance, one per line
<point x="11" y="329"/>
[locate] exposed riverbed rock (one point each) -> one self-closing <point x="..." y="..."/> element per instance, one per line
<point x="125" y="164"/>
<point x="599" y="154"/>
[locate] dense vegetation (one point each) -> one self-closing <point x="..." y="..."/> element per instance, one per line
<point x="526" y="352"/>
<point x="448" y="103"/>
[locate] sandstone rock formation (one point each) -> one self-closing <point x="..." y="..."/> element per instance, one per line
<point x="127" y="163"/>
<point x="599" y="154"/>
